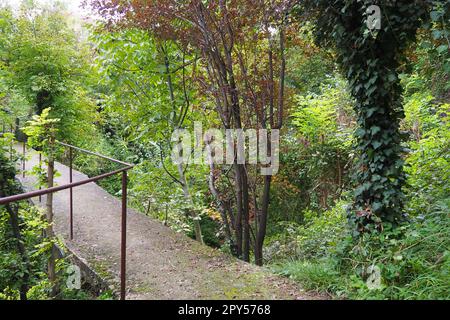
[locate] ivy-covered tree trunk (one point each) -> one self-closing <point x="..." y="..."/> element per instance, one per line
<point x="370" y="38"/>
<point x="379" y="175"/>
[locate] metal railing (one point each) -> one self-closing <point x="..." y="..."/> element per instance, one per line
<point x="39" y="193"/>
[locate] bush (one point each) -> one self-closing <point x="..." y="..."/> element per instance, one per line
<point x="315" y="238"/>
<point x="408" y="262"/>
<point x="313" y="275"/>
<point x="428" y="165"/>
<point x="413" y="262"/>
<point x="210" y="231"/>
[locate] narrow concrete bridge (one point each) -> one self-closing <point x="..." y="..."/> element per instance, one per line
<point x="161" y="264"/>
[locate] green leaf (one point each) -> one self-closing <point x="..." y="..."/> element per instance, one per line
<point x="436" y="34"/>
<point x="376" y="144"/>
<point x="375" y="130"/>
<point x="392" y="77"/>
<point x="435" y="15"/>
<point x="442" y="48"/>
<point x="371" y="111"/>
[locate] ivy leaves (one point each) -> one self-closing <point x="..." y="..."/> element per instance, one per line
<point x="370" y="63"/>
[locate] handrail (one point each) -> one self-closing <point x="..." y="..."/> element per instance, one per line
<point x="37" y="193"/>
<point x="71" y="185"/>
<point x="95" y="154"/>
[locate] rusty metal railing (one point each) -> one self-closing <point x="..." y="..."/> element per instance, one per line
<point x="39" y="193"/>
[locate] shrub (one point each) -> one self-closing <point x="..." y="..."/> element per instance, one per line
<point x="315" y="238"/>
<point x="428" y="165"/>
<point x="413" y="261"/>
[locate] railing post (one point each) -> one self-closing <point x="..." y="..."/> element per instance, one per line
<point x="40" y="169"/>
<point x="71" y="194"/>
<point x="11" y="146"/>
<point x="123" y="243"/>
<point x="23" y="160"/>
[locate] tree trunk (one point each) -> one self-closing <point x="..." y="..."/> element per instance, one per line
<point x="261" y="233"/>
<point x="222" y="207"/>
<point x="238" y="218"/>
<point x="49" y="230"/>
<point x="241" y="184"/>
<point x="245" y="216"/>
<point x="182" y="176"/>
<point x="187" y="196"/>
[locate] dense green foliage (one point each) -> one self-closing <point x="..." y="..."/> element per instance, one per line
<point x="413" y="259"/>
<point x="23" y="250"/>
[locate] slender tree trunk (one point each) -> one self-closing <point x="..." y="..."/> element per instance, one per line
<point x="339" y="167"/>
<point x="238" y="218"/>
<point x="166" y="216"/>
<point x="246" y="216"/>
<point x="261" y="234"/>
<point x="242" y="226"/>
<point x="49" y="230"/>
<point x="182" y="176"/>
<point x="222" y="208"/>
<point x="187" y="196"/>
<point x="149" y="204"/>
<point x="242" y="191"/>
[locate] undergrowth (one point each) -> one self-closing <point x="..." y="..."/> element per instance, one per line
<point x="413" y="262"/>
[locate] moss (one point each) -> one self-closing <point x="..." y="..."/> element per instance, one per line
<point x="143" y="288"/>
<point x="100" y="269"/>
<point x="247" y="284"/>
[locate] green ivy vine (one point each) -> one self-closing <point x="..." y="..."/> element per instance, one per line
<point x="370" y="58"/>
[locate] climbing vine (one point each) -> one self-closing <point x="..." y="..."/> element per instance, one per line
<point x="370" y="58"/>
